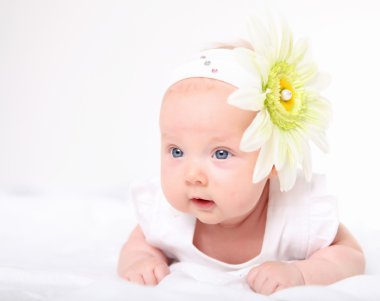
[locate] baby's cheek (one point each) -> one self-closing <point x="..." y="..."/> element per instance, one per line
<point x="167" y="189"/>
<point x="174" y="195"/>
<point x="232" y="196"/>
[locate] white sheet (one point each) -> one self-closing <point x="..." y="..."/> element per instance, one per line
<point x="66" y="248"/>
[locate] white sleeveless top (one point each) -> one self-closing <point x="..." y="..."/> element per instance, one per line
<point x="299" y="222"/>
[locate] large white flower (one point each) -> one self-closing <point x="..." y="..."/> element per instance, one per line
<point x="284" y="92"/>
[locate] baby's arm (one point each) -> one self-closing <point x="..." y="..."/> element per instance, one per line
<point x="342" y="259"/>
<point x="141" y="263"/>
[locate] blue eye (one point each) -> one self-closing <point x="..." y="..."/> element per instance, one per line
<point x="176" y="152"/>
<point x="221" y="154"/>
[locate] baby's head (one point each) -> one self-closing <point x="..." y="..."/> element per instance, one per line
<point x="232" y="117"/>
<point x="204" y="170"/>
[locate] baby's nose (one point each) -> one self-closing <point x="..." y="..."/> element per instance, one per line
<point x="196" y="175"/>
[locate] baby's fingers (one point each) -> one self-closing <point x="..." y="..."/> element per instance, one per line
<point x="268" y="287"/>
<point x="160" y="271"/>
<point x="253" y="279"/>
<point x="149" y="277"/>
<point x="155" y="275"/>
<point x="134" y="277"/>
<point x="260" y="283"/>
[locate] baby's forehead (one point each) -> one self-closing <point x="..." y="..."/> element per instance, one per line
<point x="200" y="104"/>
<point x="197" y="94"/>
<point x="197" y="84"/>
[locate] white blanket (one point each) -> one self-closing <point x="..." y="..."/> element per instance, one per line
<point x="66" y="248"/>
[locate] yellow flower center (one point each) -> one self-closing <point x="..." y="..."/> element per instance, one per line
<point x="286" y="86"/>
<point x="284" y="101"/>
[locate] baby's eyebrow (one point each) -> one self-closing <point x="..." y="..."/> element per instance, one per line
<point x="220" y="138"/>
<point x="225" y="136"/>
<point x="167" y="135"/>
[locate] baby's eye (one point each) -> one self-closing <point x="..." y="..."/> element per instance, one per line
<point x="221" y="154"/>
<point x="176" y="152"/>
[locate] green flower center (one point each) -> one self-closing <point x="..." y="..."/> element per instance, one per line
<point x="286" y="113"/>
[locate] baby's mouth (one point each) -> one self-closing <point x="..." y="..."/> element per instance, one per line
<point x="202" y="203"/>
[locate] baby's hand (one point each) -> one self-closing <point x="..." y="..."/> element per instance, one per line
<point x="273" y="276"/>
<point x="147" y="270"/>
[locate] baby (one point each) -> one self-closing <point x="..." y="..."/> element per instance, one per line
<point x="235" y="129"/>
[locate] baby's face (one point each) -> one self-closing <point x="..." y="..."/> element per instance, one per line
<point x="203" y="171"/>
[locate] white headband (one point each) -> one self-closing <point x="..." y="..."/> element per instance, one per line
<point x="220" y="64"/>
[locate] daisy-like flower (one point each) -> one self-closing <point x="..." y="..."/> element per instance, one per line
<point x="290" y="110"/>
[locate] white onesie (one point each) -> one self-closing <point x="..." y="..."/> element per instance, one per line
<point x="299" y="222"/>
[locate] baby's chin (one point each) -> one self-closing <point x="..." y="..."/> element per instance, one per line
<point x="208" y="215"/>
<point x="208" y="218"/>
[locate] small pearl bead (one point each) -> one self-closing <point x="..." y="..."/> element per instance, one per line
<point x="286" y="95"/>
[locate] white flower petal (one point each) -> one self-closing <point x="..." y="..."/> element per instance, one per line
<point x="256" y="65"/>
<point x="292" y="151"/>
<point x="287" y="177"/>
<point x="271" y="54"/>
<point x="306" y="72"/>
<point x="281" y="148"/>
<point x="318" y="113"/>
<point x="299" y="52"/>
<point x="286" y="151"/>
<point x="306" y="162"/>
<point x="247" y="99"/>
<point x="286" y="46"/>
<point x="263" y="67"/>
<point x="306" y="155"/>
<point x="264" y="163"/>
<point x="259" y="36"/>
<point x="272" y="28"/>
<point x="296" y="146"/>
<point x="247" y="59"/>
<point x="257" y="133"/>
<point x="319" y="82"/>
<point x="319" y="139"/>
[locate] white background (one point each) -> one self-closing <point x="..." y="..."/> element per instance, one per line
<point x="81" y="82"/>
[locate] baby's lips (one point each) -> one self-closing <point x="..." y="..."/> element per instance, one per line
<point x="203" y="203"/>
<point x="201" y="199"/>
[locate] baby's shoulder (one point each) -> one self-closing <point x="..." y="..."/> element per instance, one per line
<point x="307" y="216"/>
